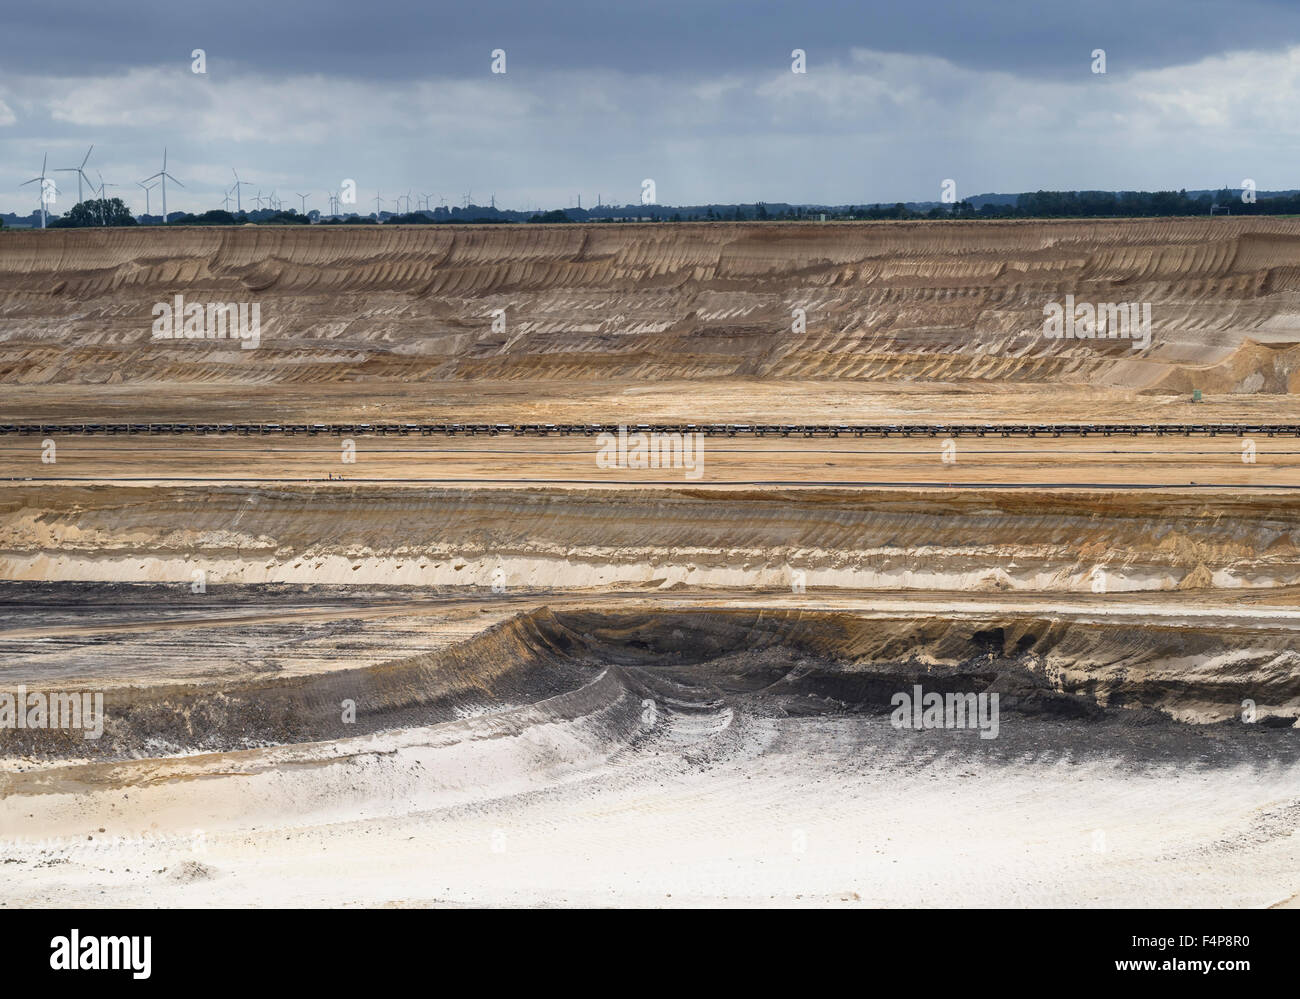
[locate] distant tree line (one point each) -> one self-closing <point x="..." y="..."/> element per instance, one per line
<point x="1091" y="204"/>
<point x="1039" y="204"/>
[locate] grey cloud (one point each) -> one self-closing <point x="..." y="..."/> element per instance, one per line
<point x="405" y="39"/>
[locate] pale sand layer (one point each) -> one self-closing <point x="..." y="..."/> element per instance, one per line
<point x="984" y="540"/>
<point x="575" y="796"/>
<point x="712" y="808"/>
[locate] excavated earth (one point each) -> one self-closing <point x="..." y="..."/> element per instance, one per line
<point x="497" y="674"/>
<point x="577" y="323"/>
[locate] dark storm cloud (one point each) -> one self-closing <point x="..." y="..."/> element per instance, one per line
<point x="396" y="39"/>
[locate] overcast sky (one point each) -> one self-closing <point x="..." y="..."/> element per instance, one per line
<point x="695" y="94"/>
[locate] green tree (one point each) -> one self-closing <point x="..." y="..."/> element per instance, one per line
<point x="96" y="211"/>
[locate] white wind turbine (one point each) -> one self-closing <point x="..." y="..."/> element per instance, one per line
<point x="239" y="207"/>
<point x="303" y="197"/>
<point x="334" y="202"/>
<point x="147" y="189"/>
<point x="41" y="179"/>
<point x="80" y="171"/>
<point x="102" y="185"/>
<point x="164" y="177"/>
<point x="225" y="200"/>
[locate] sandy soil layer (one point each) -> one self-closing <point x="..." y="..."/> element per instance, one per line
<point x="1257" y="462"/>
<point x="632" y="401"/>
<point x="979" y="540"/>
<point x="696" y="322"/>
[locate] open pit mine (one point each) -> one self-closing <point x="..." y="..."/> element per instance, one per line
<point x="665" y="565"/>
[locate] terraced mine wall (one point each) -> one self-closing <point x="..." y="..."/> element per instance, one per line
<point x="941" y="303"/>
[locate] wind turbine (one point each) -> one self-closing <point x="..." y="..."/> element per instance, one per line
<point x="41" y="179"/>
<point x="102" y="185"/>
<point x="378" y="202"/>
<point x="304" y="203"/>
<point x="258" y="199"/>
<point x="273" y="201"/>
<point x="334" y="202"/>
<point x="238" y="184"/>
<point x="147" y="189"/>
<point x="225" y="201"/>
<point x="80" y="171"/>
<point x="165" y="176"/>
